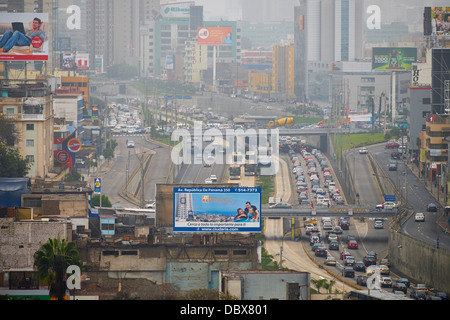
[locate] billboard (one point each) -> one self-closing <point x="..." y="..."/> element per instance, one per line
<point x="216" y="209"/>
<point x="178" y="11"/>
<point x="214" y="36"/>
<point x="24" y="36"/>
<point x="437" y="21"/>
<point x="393" y="59"/>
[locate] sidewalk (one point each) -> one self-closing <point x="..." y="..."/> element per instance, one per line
<point x="439" y="196"/>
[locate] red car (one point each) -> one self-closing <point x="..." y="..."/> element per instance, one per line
<point x="352" y="244"/>
<point x="345" y="254"/>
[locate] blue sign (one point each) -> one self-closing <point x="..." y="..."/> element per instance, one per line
<point x="97" y="185"/>
<point x="216" y="209"/>
<point x="389" y="197"/>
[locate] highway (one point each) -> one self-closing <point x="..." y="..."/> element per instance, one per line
<point x="417" y="199"/>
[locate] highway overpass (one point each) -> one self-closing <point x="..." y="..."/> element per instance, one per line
<point x="353" y="211"/>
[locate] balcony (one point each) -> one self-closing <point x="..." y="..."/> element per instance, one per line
<point x="33" y="117"/>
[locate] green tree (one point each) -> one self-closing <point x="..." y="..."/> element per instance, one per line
<point x="105" y="201"/>
<point x="321" y="283"/>
<point x="108" y="153"/>
<point x="51" y="262"/>
<point x="12" y="165"/>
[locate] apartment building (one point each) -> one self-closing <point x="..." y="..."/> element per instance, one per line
<point x="28" y="103"/>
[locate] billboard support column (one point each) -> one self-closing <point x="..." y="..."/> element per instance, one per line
<point x="214" y="68"/>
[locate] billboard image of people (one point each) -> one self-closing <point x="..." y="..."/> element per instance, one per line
<point x="217" y="209"/>
<point x="440" y="21"/>
<point x="394" y="59"/>
<point x="215" y="36"/>
<point x="24" y="36"/>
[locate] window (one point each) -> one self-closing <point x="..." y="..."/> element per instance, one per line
<point x="30" y="143"/>
<point x="30" y="158"/>
<point x="30" y="126"/>
<point x="10" y="111"/>
<point x="426" y="101"/>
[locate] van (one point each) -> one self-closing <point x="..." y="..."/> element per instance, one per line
<point x="348" y="272"/>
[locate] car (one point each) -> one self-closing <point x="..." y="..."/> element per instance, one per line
<point x="349" y="261"/>
<point x="130" y="144"/>
<point x="392" y="167"/>
<point x="363" y="151"/>
<point x="330" y="261"/>
<point x="421" y="287"/>
<point x="432" y="207"/>
<point x="344" y="254"/>
<point x="439" y="296"/>
<point x="208" y="181"/>
<point x="418" y="295"/>
<point x="398" y="286"/>
<point x="315" y="246"/>
<point x="352" y="244"/>
<point x="359" y="266"/>
<point x="337" y="230"/>
<point x="388" y="205"/>
<point x="332" y="237"/>
<point x="327" y="226"/>
<point x="281" y="205"/>
<point x="348" y="273"/>
<point x="150" y="205"/>
<point x="321" y="252"/>
<point x="385" y="262"/>
<point x="384" y="269"/>
<point x="314" y="239"/>
<point x="419" y="217"/>
<point x="213" y="178"/>
<point x="369" y="260"/>
<point x="392" y="145"/>
<point x="386" y="282"/>
<point x="334" y="245"/>
<point x="361" y="280"/>
<point x="378" y="224"/>
<point x="404" y="281"/>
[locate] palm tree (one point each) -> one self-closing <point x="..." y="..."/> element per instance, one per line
<point x="319" y="284"/>
<point x="51" y="262"/>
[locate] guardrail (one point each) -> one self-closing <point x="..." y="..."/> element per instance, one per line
<point x="353" y="211"/>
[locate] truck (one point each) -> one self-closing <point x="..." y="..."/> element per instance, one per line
<point x="250" y="169"/>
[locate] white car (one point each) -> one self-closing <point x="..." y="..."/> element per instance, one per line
<point x="363" y="151"/>
<point x="387" y="205"/>
<point x="208" y="181"/>
<point x="213" y="178"/>
<point x="419" y="216"/>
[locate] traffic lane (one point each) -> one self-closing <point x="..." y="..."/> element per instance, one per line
<point x="418" y="197"/>
<point x="364" y="179"/>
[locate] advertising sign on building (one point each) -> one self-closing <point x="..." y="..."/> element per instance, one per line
<point x="82" y="61"/>
<point x="393" y="59"/>
<point x="215" y="36"/>
<point x="216" y="209"/>
<point x="24" y="36"/>
<point x="437" y="21"/>
<point x="178" y="11"/>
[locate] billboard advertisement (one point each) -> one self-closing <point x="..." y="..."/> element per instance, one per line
<point x="394" y="59"/>
<point x="24" y="36"/>
<point x="178" y="11"/>
<point x="214" y="36"/>
<point x="216" y="209"/>
<point x="437" y="21"/>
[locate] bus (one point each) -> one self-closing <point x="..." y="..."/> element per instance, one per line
<point x="235" y="173"/>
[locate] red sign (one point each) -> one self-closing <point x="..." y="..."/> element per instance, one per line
<point x="62" y="157"/>
<point x="36" y="42"/>
<point x="74" y="145"/>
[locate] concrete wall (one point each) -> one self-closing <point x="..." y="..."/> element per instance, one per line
<point x="428" y="264"/>
<point x="20" y="240"/>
